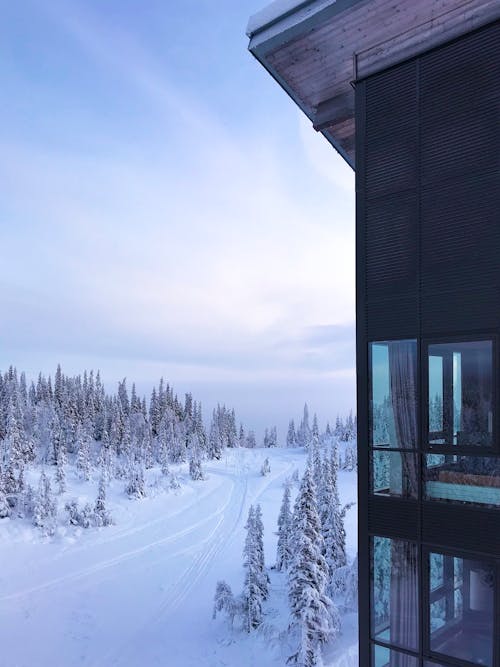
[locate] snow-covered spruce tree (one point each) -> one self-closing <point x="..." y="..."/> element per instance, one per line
<point x="232" y="431"/>
<point x="4" y="505"/>
<point x="283" y="551"/>
<point x="313" y="616"/>
<point x="339" y="542"/>
<point x="242" y="441"/>
<point x="316" y="462"/>
<point x="250" y="441"/>
<point x="199" y="429"/>
<point x="214" y="439"/>
<point x="304" y="430"/>
<point x="315" y="428"/>
<point x="195" y="468"/>
<point x="291" y="436"/>
<point x="39" y="505"/>
<point x="224" y="601"/>
<point x="271" y="437"/>
<point x="252" y="591"/>
<point x="82" y="442"/>
<point x="332" y="526"/>
<point x="61" y="468"/>
<point x="105" y="460"/>
<point x="177" y="440"/>
<point x="101" y="515"/>
<point x="165" y="468"/>
<point x="136" y="485"/>
<point x="45" y="506"/>
<point x="9" y="480"/>
<point x="143" y="433"/>
<point x="127" y="447"/>
<point x="27" y="502"/>
<point x="259" y="545"/>
<point x="15" y="436"/>
<point x="20" y="480"/>
<point x="266" y="467"/>
<point x="351" y="586"/>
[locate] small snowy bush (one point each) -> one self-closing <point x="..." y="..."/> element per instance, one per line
<point x="266" y="468"/>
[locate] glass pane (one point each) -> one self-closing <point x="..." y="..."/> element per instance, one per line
<point x="463" y="479"/>
<point x="435" y="394"/>
<point x="385" y="657"/>
<point x="393" y="391"/>
<point x="436" y="571"/>
<point x="395" y="474"/>
<point x="460" y="393"/>
<point x="461" y="608"/>
<point x="394" y="613"/>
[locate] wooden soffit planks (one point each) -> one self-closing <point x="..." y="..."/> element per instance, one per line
<point x="317" y="66"/>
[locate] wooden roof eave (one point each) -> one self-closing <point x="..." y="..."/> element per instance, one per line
<point x="314" y="55"/>
<point x="280" y="30"/>
<point x="310" y="112"/>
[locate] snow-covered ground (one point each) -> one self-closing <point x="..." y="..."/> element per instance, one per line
<point x="140" y="592"/>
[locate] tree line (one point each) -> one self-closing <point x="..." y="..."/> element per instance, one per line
<point x="72" y="422"/>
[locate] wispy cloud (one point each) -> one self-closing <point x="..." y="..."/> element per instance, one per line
<point x="193" y="251"/>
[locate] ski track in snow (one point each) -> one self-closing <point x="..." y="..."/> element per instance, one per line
<point x="220" y="538"/>
<point x="124" y="595"/>
<point x="128" y="529"/>
<point x="123" y="534"/>
<point x="103" y="565"/>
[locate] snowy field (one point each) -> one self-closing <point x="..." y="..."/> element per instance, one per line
<point x="140" y="592"/>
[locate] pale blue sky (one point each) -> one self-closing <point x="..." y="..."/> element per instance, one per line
<point x="165" y="210"/>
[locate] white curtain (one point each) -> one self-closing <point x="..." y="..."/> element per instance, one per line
<point x="403" y="381"/>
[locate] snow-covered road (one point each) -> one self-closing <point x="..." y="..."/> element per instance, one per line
<point x="140" y="593"/>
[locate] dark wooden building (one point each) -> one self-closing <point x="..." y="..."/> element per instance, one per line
<point x="408" y="91"/>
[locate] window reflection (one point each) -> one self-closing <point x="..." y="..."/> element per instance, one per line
<point x="463" y="479"/>
<point x="460" y="402"/>
<point x="394" y="610"/>
<point x="385" y="657"/>
<point x="394" y="473"/>
<point x="461" y="608"/>
<point x="393" y="385"/>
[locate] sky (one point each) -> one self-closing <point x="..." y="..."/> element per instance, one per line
<point x="166" y="210"/>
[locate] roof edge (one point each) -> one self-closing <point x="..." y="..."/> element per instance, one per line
<point x="270" y="30"/>
<point x="310" y="113"/>
<point x="273" y="13"/>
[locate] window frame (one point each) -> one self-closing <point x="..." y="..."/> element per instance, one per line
<point x="372" y="448"/>
<point x="426" y="597"/>
<point x="373" y="630"/>
<point x="471" y="450"/>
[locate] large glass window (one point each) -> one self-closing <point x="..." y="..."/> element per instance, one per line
<point x="463" y="479"/>
<point x="461" y="608"/>
<point x="393" y="418"/>
<point x="393" y="394"/>
<point x="394" y="600"/>
<point x="460" y="393"/>
<point x="395" y="473"/>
